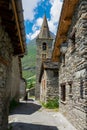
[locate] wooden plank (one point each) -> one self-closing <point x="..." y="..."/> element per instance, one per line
<point x="18" y="26"/>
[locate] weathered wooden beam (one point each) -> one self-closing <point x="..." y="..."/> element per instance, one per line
<point x="17" y="23"/>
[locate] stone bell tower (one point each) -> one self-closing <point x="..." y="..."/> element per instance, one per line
<point x="44" y="51"/>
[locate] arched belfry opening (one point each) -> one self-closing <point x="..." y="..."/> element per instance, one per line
<point x="44" y="46"/>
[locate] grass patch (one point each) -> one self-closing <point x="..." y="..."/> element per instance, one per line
<point x="51" y="104"/>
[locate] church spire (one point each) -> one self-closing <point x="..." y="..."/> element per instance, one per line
<point x="44" y="32"/>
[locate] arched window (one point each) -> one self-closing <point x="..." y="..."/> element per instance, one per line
<point x="44" y="46"/>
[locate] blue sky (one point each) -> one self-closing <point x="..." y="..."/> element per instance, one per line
<point x="33" y="15"/>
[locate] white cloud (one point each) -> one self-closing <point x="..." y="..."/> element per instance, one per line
<point x="35" y="29"/>
<point x="29" y="13"/>
<point x="35" y="34"/>
<point x="29" y="6"/>
<point x="39" y="22"/>
<point x="28" y="36"/>
<point x="31" y="36"/>
<point x="55" y="10"/>
<point x="52" y="27"/>
<point x="55" y="14"/>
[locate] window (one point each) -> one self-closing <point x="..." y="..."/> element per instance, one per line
<point x="63" y="59"/>
<point x="44" y="46"/>
<point x="43" y="56"/>
<point x="63" y="92"/>
<point x="81" y="88"/>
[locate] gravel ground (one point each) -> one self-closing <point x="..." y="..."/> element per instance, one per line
<point x="31" y="116"/>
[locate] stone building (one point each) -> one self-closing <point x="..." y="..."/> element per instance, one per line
<point x="70" y="49"/>
<point x="44" y="50"/>
<point x="12" y="48"/>
<point x="48" y="81"/>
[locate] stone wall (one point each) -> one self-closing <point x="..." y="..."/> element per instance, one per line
<point x="5" y="70"/>
<point x="9" y="77"/>
<point x="49" y="86"/>
<point x="14" y="79"/>
<point x="73" y="74"/>
<point x="39" y="60"/>
<point x="22" y="89"/>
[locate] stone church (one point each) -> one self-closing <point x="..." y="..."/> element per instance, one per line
<point x="44" y="51"/>
<point x="70" y="50"/>
<point x="46" y="71"/>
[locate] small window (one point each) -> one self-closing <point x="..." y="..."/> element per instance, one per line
<point x="63" y="93"/>
<point x="44" y="47"/>
<point x="43" y="56"/>
<point x="81" y="88"/>
<point x="63" y="59"/>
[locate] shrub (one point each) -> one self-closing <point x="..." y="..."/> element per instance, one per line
<point x="51" y="104"/>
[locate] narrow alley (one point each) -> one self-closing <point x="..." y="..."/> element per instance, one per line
<point x="31" y="116"/>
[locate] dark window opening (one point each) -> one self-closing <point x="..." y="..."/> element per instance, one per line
<point x="63" y="59"/>
<point x="63" y="92"/>
<point x="81" y="88"/>
<point x="44" y="47"/>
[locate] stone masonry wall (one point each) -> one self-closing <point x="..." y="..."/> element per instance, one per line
<point x="49" y="86"/>
<point x="9" y="77"/>
<point x="52" y="85"/>
<point x="74" y="71"/>
<point x="5" y="69"/>
<point x="48" y="53"/>
<point x="14" y="79"/>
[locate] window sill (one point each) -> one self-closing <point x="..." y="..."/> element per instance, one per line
<point x="63" y="102"/>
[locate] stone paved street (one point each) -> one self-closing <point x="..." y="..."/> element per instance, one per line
<point x="31" y="116"/>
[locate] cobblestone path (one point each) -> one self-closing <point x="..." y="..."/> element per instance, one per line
<point x="31" y="116"/>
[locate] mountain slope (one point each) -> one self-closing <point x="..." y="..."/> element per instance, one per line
<point x="29" y="60"/>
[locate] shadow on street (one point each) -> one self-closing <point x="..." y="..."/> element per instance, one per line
<point x="25" y="126"/>
<point x="26" y="108"/>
